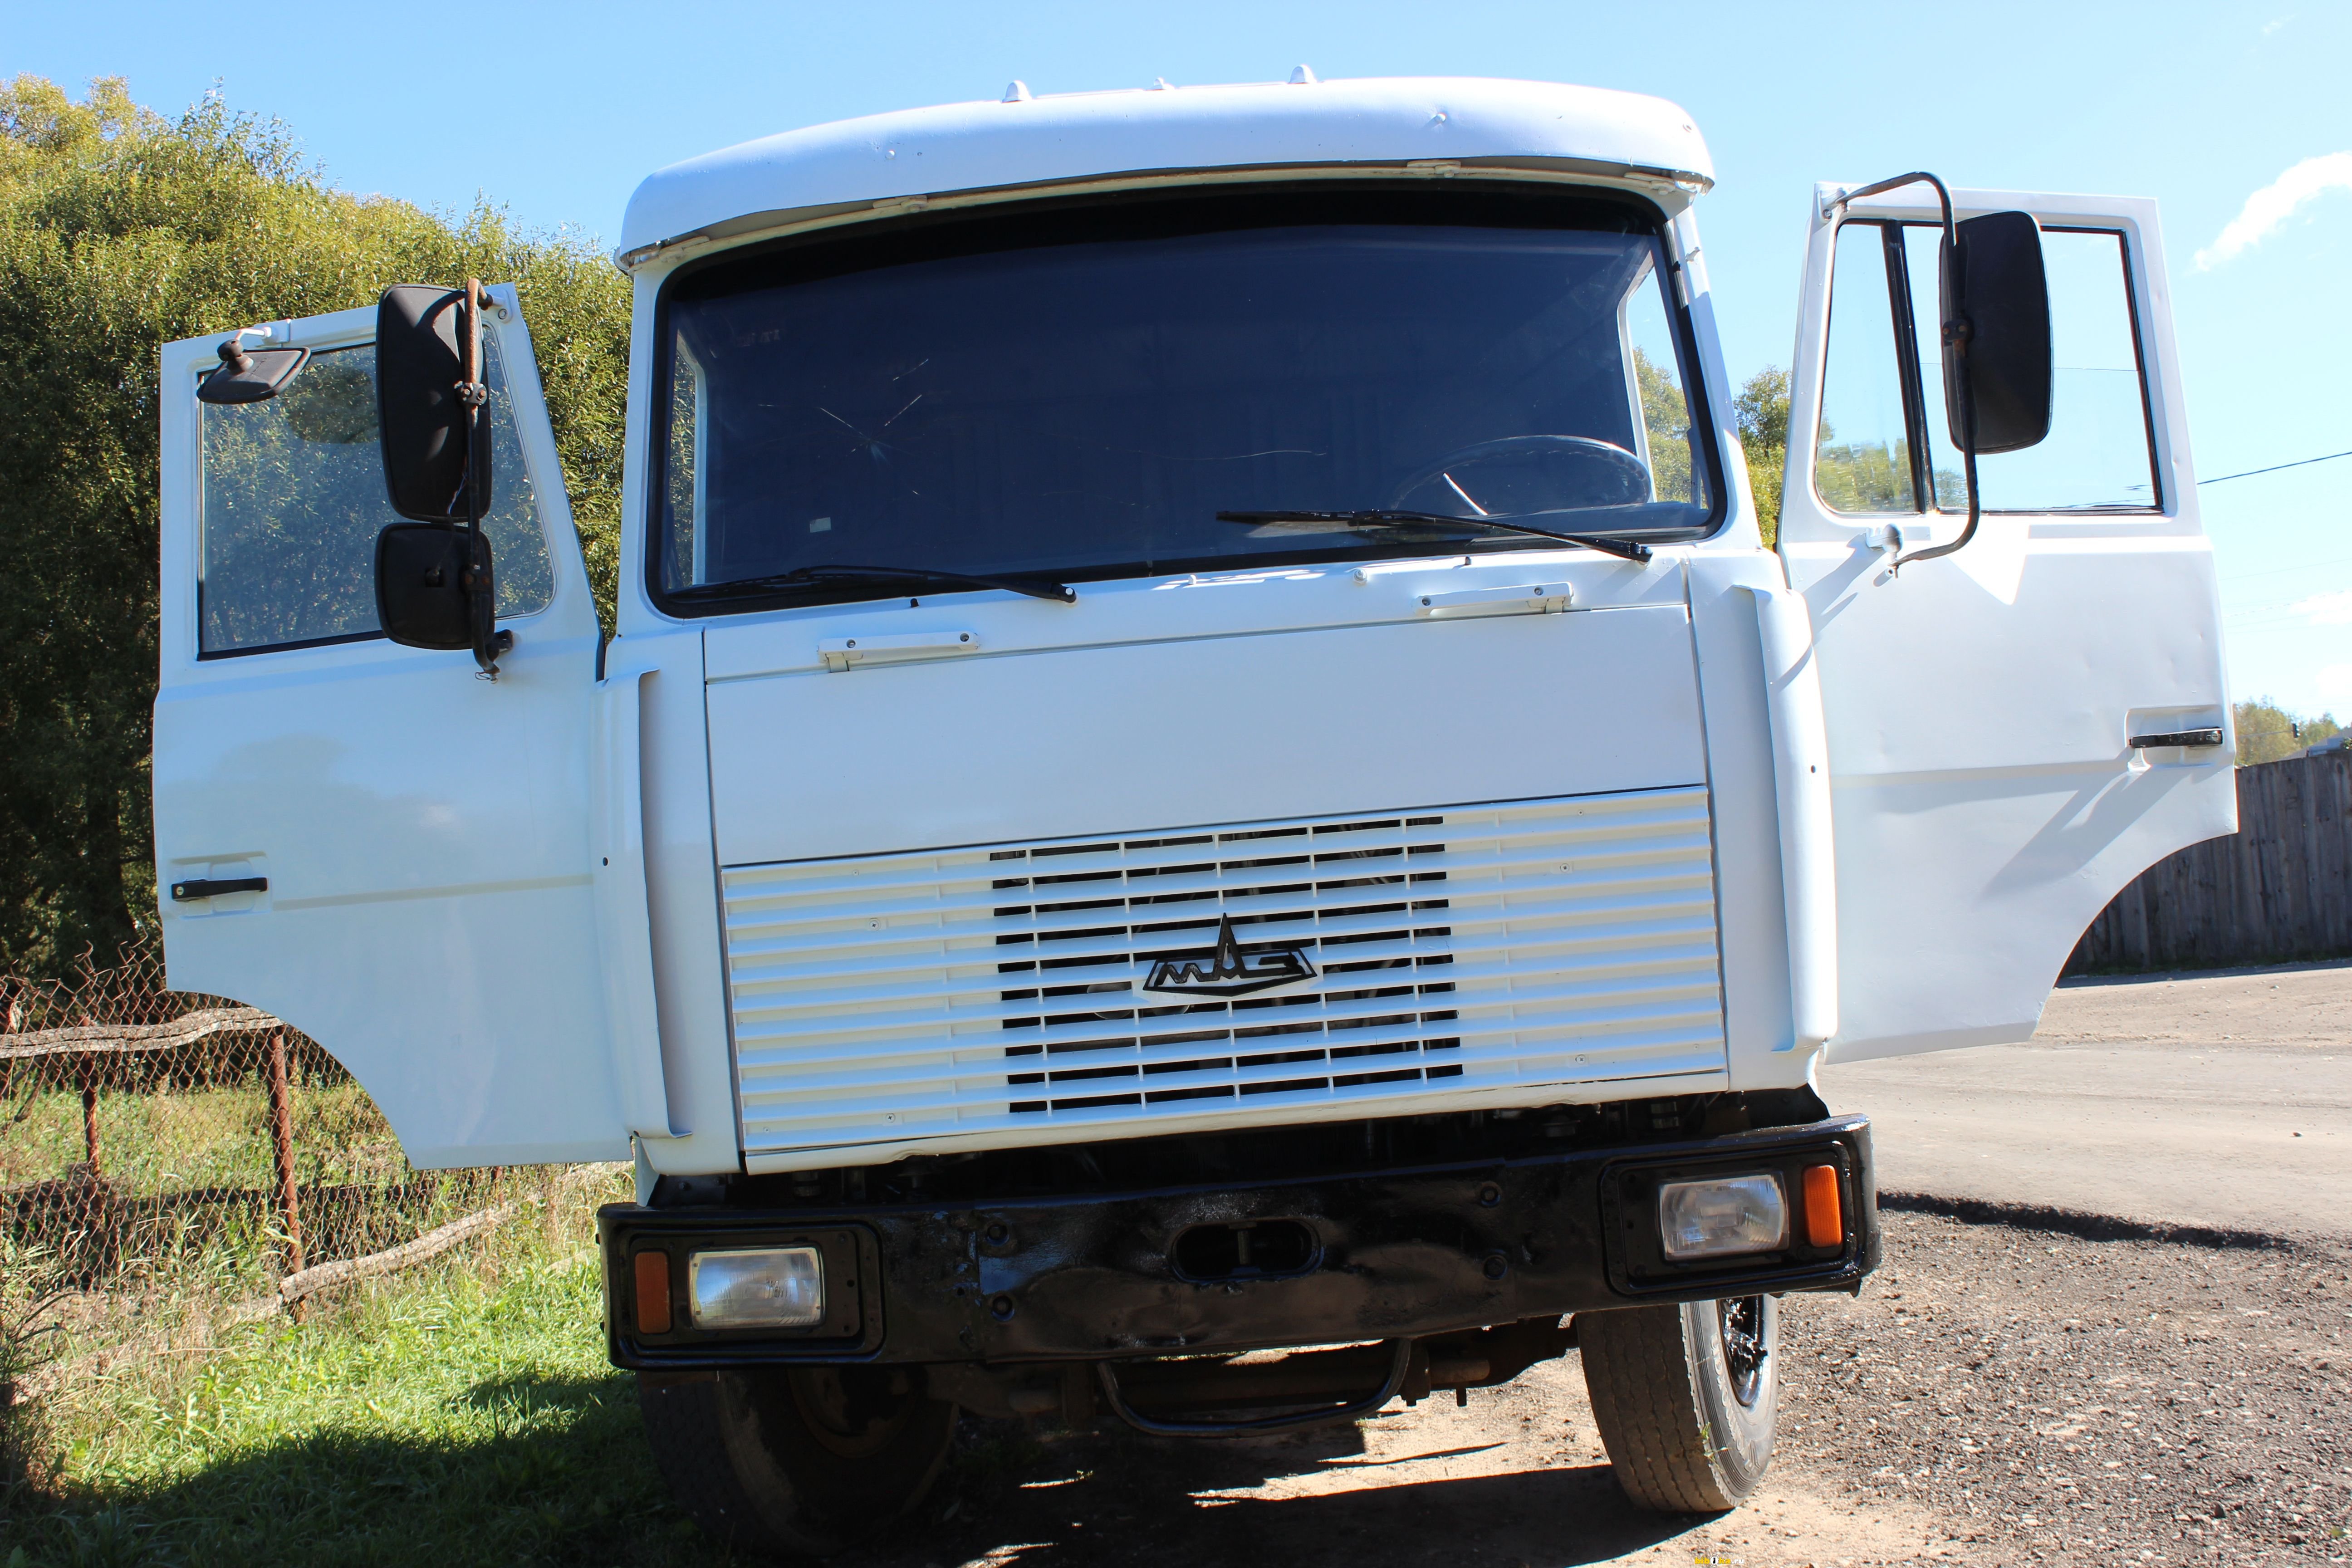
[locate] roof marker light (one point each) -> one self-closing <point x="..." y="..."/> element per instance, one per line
<point x="1302" y="76"/>
<point x="1015" y="92"/>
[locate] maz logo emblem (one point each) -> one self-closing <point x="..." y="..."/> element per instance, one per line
<point x="1228" y="971"/>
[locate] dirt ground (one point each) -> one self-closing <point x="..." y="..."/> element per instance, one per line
<point x="2022" y="1382"/>
<point x="2000" y="1394"/>
<point x="2222" y="1100"/>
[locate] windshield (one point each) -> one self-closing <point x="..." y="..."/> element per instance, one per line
<point x="1076" y="393"/>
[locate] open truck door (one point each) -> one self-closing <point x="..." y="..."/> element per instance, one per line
<point x="2019" y="726"/>
<point x="422" y="868"/>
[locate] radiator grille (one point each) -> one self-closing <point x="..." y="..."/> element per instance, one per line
<point x="905" y="996"/>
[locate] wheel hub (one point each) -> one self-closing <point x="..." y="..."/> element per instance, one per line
<point x="854" y="1412"/>
<point x="1744" y="1350"/>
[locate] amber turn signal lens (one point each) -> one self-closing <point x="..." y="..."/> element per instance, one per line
<point x="1824" y="1221"/>
<point x="653" y="1292"/>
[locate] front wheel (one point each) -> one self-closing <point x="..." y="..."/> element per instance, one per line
<point x="799" y="1462"/>
<point x="1685" y="1397"/>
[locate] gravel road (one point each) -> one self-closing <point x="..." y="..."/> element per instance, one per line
<point x="2222" y="1100"/>
<point x="2019" y="1384"/>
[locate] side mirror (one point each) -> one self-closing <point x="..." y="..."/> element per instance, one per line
<point x="421" y="574"/>
<point x="433" y="584"/>
<point x="436" y="464"/>
<point x="1994" y="289"/>
<point x="251" y="375"/>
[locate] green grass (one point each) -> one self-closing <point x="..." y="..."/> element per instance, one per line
<point x="213" y="1136"/>
<point x="461" y="1413"/>
<point x="185" y="1209"/>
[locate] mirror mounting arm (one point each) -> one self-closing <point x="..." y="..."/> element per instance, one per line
<point x="479" y="579"/>
<point x="1954" y="334"/>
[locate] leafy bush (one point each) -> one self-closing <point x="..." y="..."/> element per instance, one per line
<point x="120" y="230"/>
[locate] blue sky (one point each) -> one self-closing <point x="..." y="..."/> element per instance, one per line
<point x="558" y="110"/>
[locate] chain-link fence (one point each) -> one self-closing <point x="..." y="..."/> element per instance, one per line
<point x="159" y="1149"/>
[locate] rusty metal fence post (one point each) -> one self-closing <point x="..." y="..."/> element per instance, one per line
<point x="281" y="1138"/>
<point x="89" y="1066"/>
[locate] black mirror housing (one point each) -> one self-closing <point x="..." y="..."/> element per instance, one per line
<point x="420" y="370"/>
<point x="1994" y="283"/>
<point x="251" y="375"/>
<point x="421" y="599"/>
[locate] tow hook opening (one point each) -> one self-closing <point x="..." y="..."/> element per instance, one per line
<point x="1246" y="1249"/>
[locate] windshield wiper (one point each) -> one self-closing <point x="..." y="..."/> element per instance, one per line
<point x="834" y="572"/>
<point x="1623" y="549"/>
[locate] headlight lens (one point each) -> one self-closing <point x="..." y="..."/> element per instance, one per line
<point x="1722" y="1215"/>
<point x="756" y="1288"/>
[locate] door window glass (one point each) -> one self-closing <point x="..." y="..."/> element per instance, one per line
<point x="2099" y="456"/>
<point x="293" y="499"/>
<point x="1863" y="461"/>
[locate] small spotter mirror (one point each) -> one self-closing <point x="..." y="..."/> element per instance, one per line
<point x="251" y="375"/>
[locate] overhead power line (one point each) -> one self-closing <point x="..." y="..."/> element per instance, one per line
<point x="2275" y="468"/>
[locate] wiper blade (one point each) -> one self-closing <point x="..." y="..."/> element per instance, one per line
<point x="837" y="571"/>
<point x="1623" y="549"/>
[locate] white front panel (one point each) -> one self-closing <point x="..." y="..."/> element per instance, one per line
<point x="1502" y="953"/>
<point x="1193" y="718"/>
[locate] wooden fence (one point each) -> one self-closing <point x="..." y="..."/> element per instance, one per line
<point x="2281" y="888"/>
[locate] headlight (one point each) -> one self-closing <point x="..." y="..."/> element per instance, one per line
<point x="756" y="1288"/>
<point x="1721" y="1216"/>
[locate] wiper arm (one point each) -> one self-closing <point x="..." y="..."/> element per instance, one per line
<point x="835" y="571"/>
<point x="1623" y="549"/>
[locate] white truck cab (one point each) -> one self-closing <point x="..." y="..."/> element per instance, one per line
<point x="1202" y="752"/>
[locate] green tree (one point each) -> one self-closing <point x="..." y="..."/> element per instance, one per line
<point x="1762" y="412"/>
<point x="2266" y="732"/>
<point x="1665" y="416"/>
<point x="120" y="230"/>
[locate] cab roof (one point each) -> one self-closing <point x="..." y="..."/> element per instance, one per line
<point x="1022" y="141"/>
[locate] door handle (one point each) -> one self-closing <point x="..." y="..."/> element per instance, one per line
<point x="2210" y="737"/>
<point x="190" y="891"/>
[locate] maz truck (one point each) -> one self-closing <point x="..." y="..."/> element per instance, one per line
<point x="1206" y="804"/>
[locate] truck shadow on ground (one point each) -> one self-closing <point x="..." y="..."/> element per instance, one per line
<point x="1107" y="1497"/>
<point x="565" y="1474"/>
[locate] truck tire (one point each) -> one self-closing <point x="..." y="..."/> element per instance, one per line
<point x="798" y="1462"/>
<point x="1685" y="1397"/>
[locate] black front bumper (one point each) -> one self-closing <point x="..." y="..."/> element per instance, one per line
<point x="1387" y="1255"/>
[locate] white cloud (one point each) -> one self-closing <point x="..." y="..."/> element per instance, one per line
<point x="2326" y="609"/>
<point x="2269" y="208"/>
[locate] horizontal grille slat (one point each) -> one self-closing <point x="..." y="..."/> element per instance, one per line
<point x="758" y="1001"/>
<point x="1005" y="987"/>
<point x="761" y="988"/>
<point x="752" y="940"/>
<point x="750" y="887"/>
<point x="970" y="873"/>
